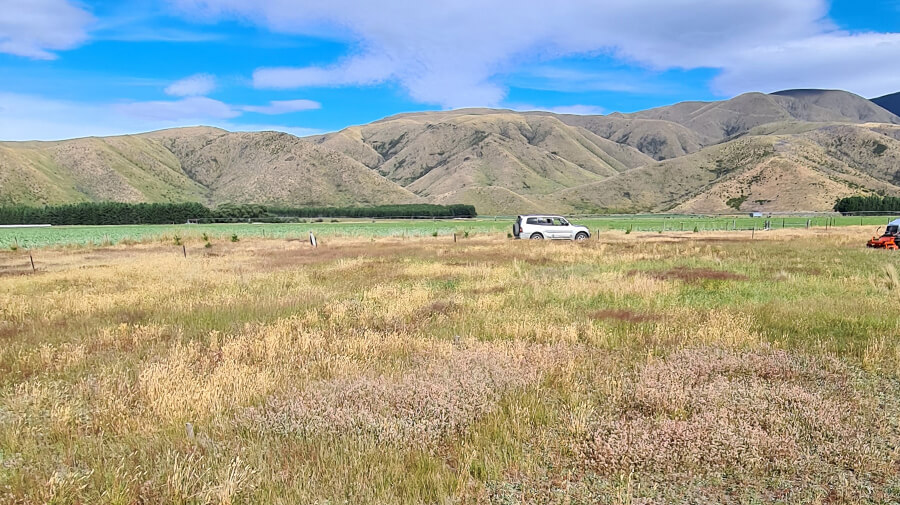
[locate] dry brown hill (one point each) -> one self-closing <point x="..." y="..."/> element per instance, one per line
<point x="440" y="154"/>
<point x="804" y="171"/>
<point x="716" y="121"/>
<point x="792" y="150"/>
<point x="190" y="164"/>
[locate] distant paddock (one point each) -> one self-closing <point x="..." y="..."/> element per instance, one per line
<point x="35" y="236"/>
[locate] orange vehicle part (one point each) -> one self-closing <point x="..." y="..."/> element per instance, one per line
<point x="884" y="242"/>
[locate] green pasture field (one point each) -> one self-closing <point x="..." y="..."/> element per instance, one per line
<point x="101" y="235"/>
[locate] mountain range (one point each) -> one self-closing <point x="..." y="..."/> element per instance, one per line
<point x="796" y="150"/>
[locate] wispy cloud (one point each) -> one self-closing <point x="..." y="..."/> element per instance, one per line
<point x="193" y="108"/>
<point x="37" y="28"/>
<point x="283" y="106"/>
<point x="365" y="70"/>
<point x="857" y="62"/>
<point x="456" y="53"/>
<point x="464" y="52"/>
<point x="31" y="117"/>
<point x="195" y="85"/>
<point x="149" y="34"/>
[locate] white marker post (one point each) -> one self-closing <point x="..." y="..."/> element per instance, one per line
<point x="312" y="240"/>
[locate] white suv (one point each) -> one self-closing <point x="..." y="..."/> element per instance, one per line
<point x="551" y="227"/>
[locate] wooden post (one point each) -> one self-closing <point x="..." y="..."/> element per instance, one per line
<point x="454" y="237"/>
<point x="184" y="250"/>
<point x="807" y="223"/>
<point x="753" y="233"/>
<point x="33" y="270"/>
<point x="682" y="226"/>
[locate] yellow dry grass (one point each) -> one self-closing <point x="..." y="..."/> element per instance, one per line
<point x="638" y="368"/>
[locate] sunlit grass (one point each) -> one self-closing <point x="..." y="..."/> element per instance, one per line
<point x="670" y="367"/>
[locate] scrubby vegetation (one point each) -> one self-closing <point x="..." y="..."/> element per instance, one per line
<point x="383" y="211"/>
<point x="641" y="368"/>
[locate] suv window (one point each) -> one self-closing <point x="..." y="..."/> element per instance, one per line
<point x="531" y="220"/>
<point x="560" y="222"/>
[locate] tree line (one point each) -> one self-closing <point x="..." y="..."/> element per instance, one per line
<point x="113" y="213"/>
<point x="405" y="211"/>
<point x="853" y="204"/>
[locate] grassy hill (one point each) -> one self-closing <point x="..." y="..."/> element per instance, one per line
<point x="792" y="150"/>
<point x="767" y="172"/>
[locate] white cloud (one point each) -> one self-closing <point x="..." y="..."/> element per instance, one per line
<point x="560" y="78"/>
<point x="861" y="63"/>
<point x="35" y="28"/>
<point x="187" y="109"/>
<point x="29" y="117"/>
<point x="458" y="53"/>
<point x="283" y="106"/>
<point x="195" y="85"/>
<point x="355" y="71"/>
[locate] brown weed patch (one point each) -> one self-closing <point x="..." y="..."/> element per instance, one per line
<point x="495" y="290"/>
<point x="439" y="307"/>
<point x="624" y="315"/>
<point x="439" y="397"/>
<point x="691" y="275"/>
<point x="710" y="411"/>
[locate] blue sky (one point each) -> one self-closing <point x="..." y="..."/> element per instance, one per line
<point x="77" y="68"/>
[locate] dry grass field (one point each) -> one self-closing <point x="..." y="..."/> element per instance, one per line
<point x="640" y="368"/>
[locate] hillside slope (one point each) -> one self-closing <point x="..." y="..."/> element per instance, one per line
<point x="717" y="121"/>
<point x="791" y="150"/>
<point x="889" y="102"/>
<point x="189" y="164"/>
<point x="800" y="171"/>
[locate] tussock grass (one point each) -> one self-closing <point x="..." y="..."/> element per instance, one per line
<point x="638" y="369"/>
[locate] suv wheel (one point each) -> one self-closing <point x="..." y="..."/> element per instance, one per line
<point x="537" y="236"/>
<point x="581" y="236"/>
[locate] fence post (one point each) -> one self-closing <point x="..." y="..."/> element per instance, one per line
<point x="184" y="250"/>
<point x="33" y="270"/>
<point x="753" y="233"/>
<point x="807" y="223"/>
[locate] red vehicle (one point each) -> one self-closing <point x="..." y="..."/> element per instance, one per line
<point x="890" y="238"/>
